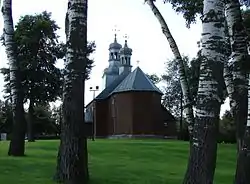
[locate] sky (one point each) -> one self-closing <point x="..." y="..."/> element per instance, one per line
<point x="131" y="17"/>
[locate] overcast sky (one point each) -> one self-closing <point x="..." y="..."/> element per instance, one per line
<point x="132" y="17"/>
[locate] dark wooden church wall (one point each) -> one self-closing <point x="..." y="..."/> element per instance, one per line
<point x="157" y="119"/>
<point x="101" y="117"/>
<point x="142" y="113"/>
<point x="121" y="113"/>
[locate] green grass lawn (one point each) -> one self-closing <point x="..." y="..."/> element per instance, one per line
<point x="114" y="162"/>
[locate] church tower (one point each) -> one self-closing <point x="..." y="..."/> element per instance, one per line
<point x="125" y="58"/>
<point x="112" y="71"/>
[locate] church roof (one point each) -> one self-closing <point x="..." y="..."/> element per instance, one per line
<point x="136" y="81"/>
<point x="108" y="90"/>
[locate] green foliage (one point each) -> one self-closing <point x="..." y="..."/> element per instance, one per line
<point x="172" y="94"/>
<point x="91" y="47"/>
<point x="189" y="8"/>
<point x="6" y="120"/>
<point x="227" y="128"/>
<point x="154" y="78"/>
<point x="44" y="122"/>
<point x="38" y="52"/>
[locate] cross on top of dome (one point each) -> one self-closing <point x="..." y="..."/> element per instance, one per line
<point x="115" y="45"/>
<point x="115" y="31"/>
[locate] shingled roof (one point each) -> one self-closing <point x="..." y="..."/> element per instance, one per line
<point x="108" y="90"/>
<point x="136" y="81"/>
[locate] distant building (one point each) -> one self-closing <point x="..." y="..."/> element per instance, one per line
<point x="130" y="104"/>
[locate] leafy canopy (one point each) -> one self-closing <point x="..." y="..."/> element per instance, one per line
<point x="38" y="51"/>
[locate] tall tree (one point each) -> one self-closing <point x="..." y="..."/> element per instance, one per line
<point x="72" y="164"/>
<point x="17" y="143"/>
<point x="173" y="95"/>
<point x="203" y="151"/>
<point x="181" y="65"/>
<point x="239" y="56"/>
<point x="243" y="161"/>
<point x="38" y="51"/>
<point x="240" y="93"/>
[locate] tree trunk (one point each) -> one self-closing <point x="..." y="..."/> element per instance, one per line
<point x="188" y="106"/>
<point x="242" y="175"/>
<point x="237" y="60"/>
<point x="17" y="143"/>
<point x="30" y="129"/>
<point x="202" y="160"/>
<point x="72" y="163"/>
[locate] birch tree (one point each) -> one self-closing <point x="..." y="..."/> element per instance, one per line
<point x="17" y="143"/>
<point x="72" y="164"/>
<point x="202" y="160"/>
<point x="203" y="146"/>
<point x="241" y="92"/>
<point x="243" y="161"/>
<point x="181" y="67"/>
<point x="237" y="88"/>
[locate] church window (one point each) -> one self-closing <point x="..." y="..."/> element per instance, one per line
<point x="111" y="55"/>
<point x="116" y="55"/>
<point x="126" y="60"/>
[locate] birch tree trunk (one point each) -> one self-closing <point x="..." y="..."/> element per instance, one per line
<point x="237" y="62"/>
<point x="17" y="143"/>
<point x="202" y="160"/>
<point x="242" y="175"/>
<point x="72" y="165"/>
<point x="188" y="106"/>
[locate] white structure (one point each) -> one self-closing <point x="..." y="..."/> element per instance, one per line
<point x="119" y="62"/>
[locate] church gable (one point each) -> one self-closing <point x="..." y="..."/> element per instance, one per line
<point x="108" y="90"/>
<point x="136" y="81"/>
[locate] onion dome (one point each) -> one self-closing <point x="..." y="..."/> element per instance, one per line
<point x="126" y="50"/>
<point x="115" y="45"/>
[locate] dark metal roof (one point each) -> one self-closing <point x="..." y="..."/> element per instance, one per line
<point x="108" y="90"/>
<point x="136" y="81"/>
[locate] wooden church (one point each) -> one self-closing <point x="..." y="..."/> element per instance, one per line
<point x="130" y="104"/>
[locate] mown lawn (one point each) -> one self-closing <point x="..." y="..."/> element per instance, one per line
<point x="114" y="162"/>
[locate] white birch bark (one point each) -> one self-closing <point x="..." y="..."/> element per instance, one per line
<point x="243" y="161"/>
<point x="16" y="147"/>
<point x="188" y="108"/>
<point x="248" y="104"/>
<point x="228" y="77"/>
<point x="237" y="63"/>
<point x="203" y="151"/>
<point x="10" y="47"/>
<point x="211" y="69"/>
<point x="72" y="164"/>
